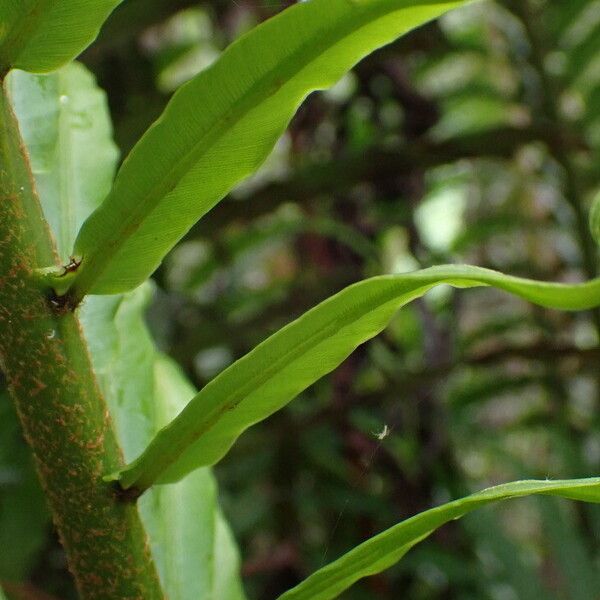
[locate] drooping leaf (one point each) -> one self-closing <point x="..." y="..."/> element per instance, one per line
<point x="221" y="126"/>
<point x="289" y="361"/>
<point x="73" y="159"/>
<point x="387" y="548"/>
<point x="42" y="35"/>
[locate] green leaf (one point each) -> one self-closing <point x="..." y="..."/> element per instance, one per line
<point x="42" y="35"/>
<point x="73" y="158"/>
<point x="66" y="127"/>
<point x="195" y="544"/>
<point x="387" y="548"/>
<point x="221" y="126"/>
<point x="296" y="356"/>
<point x="145" y="391"/>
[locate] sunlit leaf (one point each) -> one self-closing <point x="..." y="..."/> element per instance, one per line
<point x="289" y="361"/>
<point x="221" y="126"/>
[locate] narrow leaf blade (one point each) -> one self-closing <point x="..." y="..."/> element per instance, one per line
<point x="221" y="126"/>
<point x="288" y="362"/>
<point x="387" y="548"/>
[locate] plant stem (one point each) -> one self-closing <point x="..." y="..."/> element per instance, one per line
<point x="63" y="414"/>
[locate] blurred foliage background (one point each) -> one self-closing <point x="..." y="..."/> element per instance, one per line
<point x="474" y="139"/>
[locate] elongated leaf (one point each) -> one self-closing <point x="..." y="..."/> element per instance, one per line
<point x="42" y="35"/>
<point x="387" y="548"/>
<point x="65" y="124"/>
<point x="221" y="126"/>
<point x="295" y="357"/>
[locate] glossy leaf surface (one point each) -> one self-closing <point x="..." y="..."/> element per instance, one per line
<point x="289" y="361"/>
<point x="42" y="35"/>
<point x="387" y="548"/>
<point x="221" y="126"/>
<point x="73" y="160"/>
